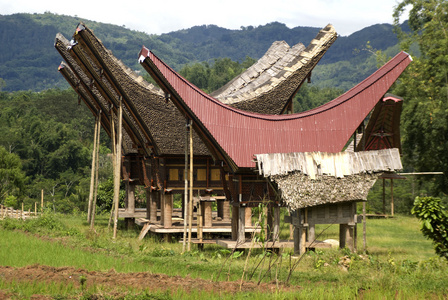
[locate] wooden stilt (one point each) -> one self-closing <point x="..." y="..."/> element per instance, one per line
<point x="234" y="222"/>
<point x="153" y="208"/>
<point x="130" y="204"/>
<point x="269" y="222"/>
<point x="117" y="168"/>
<point x="276" y="229"/>
<point x="248" y="216"/>
<point x="148" y="202"/>
<point x="241" y="225"/>
<point x="167" y="210"/>
<point x="199" y="220"/>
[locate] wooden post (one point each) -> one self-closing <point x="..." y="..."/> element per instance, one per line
<point x="342" y="235"/>
<point x="207" y="213"/>
<point x="148" y="202"/>
<point x="241" y="238"/>
<point x="42" y="199"/>
<point x="364" y="228"/>
<point x="269" y="222"/>
<point x="190" y="209"/>
<point x="346" y="236"/>
<point x="185" y="206"/>
<point x="153" y="203"/>
<point x="199" y="219"/>
<point x="130" y="204"/>
<point x="291" y="227"/>
<point x="35" y="208"/>
<point x="92" y="173"/>
<point x="234" y="222"/>
<point x="117" y="172"/>
<point x="297" y="240"/>
<point x="248" y="217"/>
<point x="384" y="196"/>
<point x="226" y="210"/>
<point x="167" y="210"/>
<point x="276" y="229"/>
<point x="311" y="233"/>
<point x="303" y="240"/>
<point x="21" y="212"/>
<point x="391" y="197"/>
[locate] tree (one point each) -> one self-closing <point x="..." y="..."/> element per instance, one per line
<point x="425" y="88"/>
<point x="12" y="178"/>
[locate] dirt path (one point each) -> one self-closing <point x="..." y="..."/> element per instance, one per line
<point x="112" y="280"/>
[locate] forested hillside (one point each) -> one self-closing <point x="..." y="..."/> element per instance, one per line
<point x="46" y="137"/>
<point x="28" y="60"/>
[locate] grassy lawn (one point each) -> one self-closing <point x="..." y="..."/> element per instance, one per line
<point x="400" y="262"/>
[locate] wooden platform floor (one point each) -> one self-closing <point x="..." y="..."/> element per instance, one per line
<point x="178" y="227"/>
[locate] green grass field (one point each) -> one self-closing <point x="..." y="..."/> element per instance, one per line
<point x="400" y="263"/>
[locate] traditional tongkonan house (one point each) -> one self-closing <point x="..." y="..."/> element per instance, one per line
<point x="155" y="130"/>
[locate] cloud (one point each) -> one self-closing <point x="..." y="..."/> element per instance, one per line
<point x="156" y="17"/>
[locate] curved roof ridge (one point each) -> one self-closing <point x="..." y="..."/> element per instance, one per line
<point x="129" y="72"/>
<point x="370" y="80"/>
<point x="275" y="52"/>
<point x="272" y="90"/>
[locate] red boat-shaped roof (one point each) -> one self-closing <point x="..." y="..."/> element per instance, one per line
<point x="235" y="136"/>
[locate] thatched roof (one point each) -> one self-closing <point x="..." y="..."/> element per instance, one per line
<point x="148" y="114"/>
<point x="315" y="178"/>
<point x="152" y="124"/>
<point x="269" y="85"/>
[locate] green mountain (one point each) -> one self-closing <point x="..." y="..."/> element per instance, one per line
<point x="28" y="60"/>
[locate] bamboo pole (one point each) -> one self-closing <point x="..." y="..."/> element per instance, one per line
<point x="184" y="243"/>
<point x="117" y="167"/>
<point x="92" y="173"/>
<point x="190" y="210"/>
<point x="96" y="167"/>
<point x="114" y="162"/>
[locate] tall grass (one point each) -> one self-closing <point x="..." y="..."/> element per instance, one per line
<point x="400" y="263"/>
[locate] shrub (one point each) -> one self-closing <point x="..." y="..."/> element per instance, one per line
<point x="434" y="222"/>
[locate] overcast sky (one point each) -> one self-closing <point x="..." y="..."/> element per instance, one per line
<point x="156" y="17"/>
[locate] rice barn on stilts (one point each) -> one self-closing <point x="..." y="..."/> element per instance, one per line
<point x="234" y="137"/>
<point x="154" y="129"/>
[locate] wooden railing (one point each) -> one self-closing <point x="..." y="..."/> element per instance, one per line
<point x="10" y="212"/>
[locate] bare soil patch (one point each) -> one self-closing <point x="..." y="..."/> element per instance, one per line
<point x="112" y="280"/>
